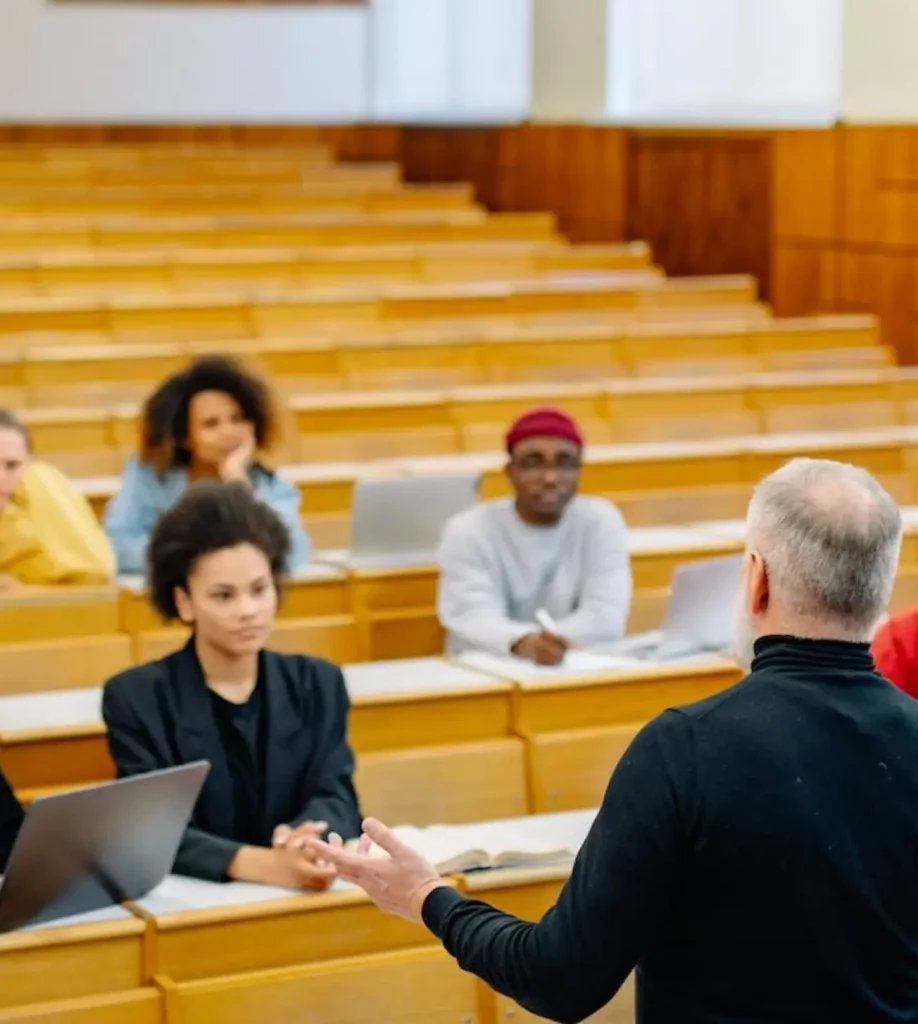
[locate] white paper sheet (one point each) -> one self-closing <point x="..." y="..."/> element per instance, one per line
<point x="48" y="710"/>
<point x="411" y="675"/>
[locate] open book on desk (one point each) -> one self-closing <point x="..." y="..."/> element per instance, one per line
<point x="454" y="849"/>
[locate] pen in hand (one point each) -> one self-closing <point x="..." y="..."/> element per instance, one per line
<point x="546" y="622"/>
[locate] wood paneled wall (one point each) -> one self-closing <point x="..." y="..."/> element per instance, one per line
<point x="703" y="201"/>
<point x="576" y="171"/>
<point x="805" y="204"/>
<point x="827" y="220"/>
<point x="846" y="228"/>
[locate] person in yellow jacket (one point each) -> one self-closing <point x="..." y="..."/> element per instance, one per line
<point x="48" y="532"/>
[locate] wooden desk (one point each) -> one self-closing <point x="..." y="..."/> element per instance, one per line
<point x="53" y="739"/>
<point x="205" y="929"/>
<point x="90" y="955"/>
<point x="395" y="609"/>
<point x="387" y="988"/>
<point x="653" y="484"/>
<point x="577" y="725"/>
<point x="59" y="637"/>
<point x="889" y="453"/>
<point x="432" y="738"/>
<point x="61" y="612"/>
<point x="434" y="743"/>
<point x="135" y="1006"/>
<point x="363" y="426"/>
<point x="448" y="353"/>
<point x="314" y="615"/>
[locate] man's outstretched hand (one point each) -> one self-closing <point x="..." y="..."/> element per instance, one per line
<point x="398" y="884"/>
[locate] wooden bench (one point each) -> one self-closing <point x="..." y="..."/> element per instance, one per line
<point x="60" y="637"/>
<point x="350" y="426"/>
<point x="94" y="274"/>
<point x="99" y="205"/>
<point x="444" y="354"/>
<point x="411" y="723"/>
<point x="26" y="234"/>
<point x="184" y="316"/>
<point x="653" y="484"/>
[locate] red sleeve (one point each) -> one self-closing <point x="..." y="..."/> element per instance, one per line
<point x="895" y="651"/>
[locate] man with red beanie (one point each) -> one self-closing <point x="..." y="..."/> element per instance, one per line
<point x="547" y="553"/>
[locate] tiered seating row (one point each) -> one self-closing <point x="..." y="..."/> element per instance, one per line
<point x="91" y="273"/>
<point x="246" y="232"/>
<point x="356" y="426"/>
<point x="107" y="202"/>
<point x="448" y="353"/>
<point x="195" y="316"/>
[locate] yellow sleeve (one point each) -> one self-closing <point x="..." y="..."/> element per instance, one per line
<point x="49" y="533"/>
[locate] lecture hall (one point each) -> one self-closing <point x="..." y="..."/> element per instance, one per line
<point x="371" y="373"/>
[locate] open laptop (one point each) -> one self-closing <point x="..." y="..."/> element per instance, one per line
<point x="699" y="614"/>
<point x="399" y="520"/>
<point x="85" y="849"/>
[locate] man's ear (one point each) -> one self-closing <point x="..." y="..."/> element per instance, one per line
<point x="758" y="589"/>
<point x="183" y="605"/>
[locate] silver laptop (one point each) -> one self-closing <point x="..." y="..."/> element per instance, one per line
<point x="399" y="520"/>
<point x="89" y="848"/>
<point x="699" y="614"/>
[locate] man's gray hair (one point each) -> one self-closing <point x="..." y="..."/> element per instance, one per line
<point x="829" y="534"/>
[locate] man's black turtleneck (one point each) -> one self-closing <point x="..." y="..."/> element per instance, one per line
<point x="755" y="856"/>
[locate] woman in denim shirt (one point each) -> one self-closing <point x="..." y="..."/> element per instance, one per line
<point x="208" y="422"/>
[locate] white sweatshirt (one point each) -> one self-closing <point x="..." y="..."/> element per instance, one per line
<point x="496" y="571"/>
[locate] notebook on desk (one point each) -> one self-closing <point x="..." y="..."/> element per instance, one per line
<point x="398" y="521"/>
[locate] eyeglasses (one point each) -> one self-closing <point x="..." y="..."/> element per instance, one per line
<point x="565" y="465"/>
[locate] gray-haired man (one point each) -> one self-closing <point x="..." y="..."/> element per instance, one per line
<point x="755" y="855"/>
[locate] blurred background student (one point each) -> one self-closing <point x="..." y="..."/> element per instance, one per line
<point x="48" y="532"/>
<point x="214" y="421"/>
<point x="547" y="548"/>
<point x="895" y="650"/>
<point x="273" y="726"/>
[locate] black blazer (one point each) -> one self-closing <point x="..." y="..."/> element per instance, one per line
<point x="161" y="714"/>
<point x="11" y="816"/>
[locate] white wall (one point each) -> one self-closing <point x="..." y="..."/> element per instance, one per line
<point x="451" y="60"/>
<point x="671" y="61"/>
<point x="569" y="60"/>
<point x="881" y="63"/>
<point x="136" y="63"/>
<point x="725" y="61"/>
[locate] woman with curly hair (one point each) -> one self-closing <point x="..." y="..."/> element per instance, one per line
<point x="209" y="422"/>
<point x="273" y="726"/>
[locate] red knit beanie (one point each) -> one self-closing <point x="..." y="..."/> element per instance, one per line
<point x="544" y="422"/>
